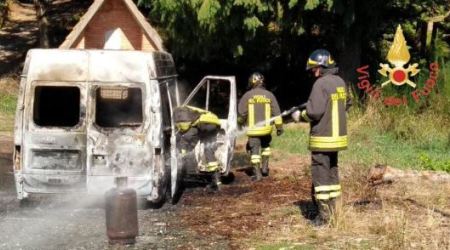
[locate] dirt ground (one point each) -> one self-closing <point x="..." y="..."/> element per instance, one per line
<point x="271" y="214"/>
<point x="245" y="207"/>
<point x="408" y="214"/>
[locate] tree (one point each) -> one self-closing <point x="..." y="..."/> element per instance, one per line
<point x="276" y="36"/>
<point x="41" y="7"/>
<point x="3" y="12"/>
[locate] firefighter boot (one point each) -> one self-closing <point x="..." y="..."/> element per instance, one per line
<point x="257" y="172"/>
<point x="256" y="165"/>
<point x="265" y="166"/>
<point x="215" y="182"/>
<point x="265" y="154"/>
<point x="314" y="210"/>
<point x="334" y="205"/>
<point x="323" y="217"/>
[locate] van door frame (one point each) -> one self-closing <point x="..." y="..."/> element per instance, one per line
<point x="175" y="168"/>
<point x="50" y="135"/>
<point x="231" y="126"/>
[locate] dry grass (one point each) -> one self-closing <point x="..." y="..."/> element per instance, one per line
<point x="9" y="85"/>
<point x="401" y="215"/>
<point x="418" y="125"/>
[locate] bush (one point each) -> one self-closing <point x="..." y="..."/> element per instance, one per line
<point x="428" y="163"/>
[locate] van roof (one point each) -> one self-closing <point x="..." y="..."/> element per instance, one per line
<point x="97" y="65"/>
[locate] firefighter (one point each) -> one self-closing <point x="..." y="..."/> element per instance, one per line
<point x="193" y="125"/>
<point x="259" y="107"/>
<point x="326" y="113"/>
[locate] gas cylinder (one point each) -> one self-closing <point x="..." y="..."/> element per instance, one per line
<point x="121" y="213"/>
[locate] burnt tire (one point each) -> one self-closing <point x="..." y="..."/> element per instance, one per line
<point x="24" y="203"/>
<point x="228" y="179"/>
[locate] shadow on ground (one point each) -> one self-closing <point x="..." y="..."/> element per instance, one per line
<point x="307" y="208"/>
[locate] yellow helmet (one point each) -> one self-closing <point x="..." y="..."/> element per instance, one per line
<point x="320" y="58"/>
<point x="256" y="79"/>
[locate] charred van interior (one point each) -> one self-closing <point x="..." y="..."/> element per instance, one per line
<point x="118" y="107"/>
<point x="213" y="96"/>
<point x="56" y="106"/>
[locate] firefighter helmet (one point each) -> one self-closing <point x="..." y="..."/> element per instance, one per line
<point x="320" y="57"/>
<point x="256" y="79"/>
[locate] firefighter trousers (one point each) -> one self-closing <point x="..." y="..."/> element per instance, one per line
<point x="259" y="146"/>
<point x="325" y="179"/>
<point x="207" y="134"/>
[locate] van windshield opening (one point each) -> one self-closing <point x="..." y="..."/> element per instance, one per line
<point x="118" y="107"/>
<point x="56" y="106"/>
<point x="214" y="96"/>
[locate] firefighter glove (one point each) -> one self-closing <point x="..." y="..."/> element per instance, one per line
<point x="296" y="115"/>
<point x="240" y="120"/>
<point x="280" y="131"/>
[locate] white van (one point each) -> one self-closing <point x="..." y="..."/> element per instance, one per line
<point x="86" y="116"/>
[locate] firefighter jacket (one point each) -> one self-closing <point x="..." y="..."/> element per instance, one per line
<point x="326" y="112"/>
<point x="258" y="106"/>
<point x="186" y="117"/>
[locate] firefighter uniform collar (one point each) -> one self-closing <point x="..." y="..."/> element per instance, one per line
<point x="330" y="71"/>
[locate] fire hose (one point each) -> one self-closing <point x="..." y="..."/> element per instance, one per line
<point x="293" y="109"/>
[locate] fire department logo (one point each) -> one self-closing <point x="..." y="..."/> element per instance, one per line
<point x="399" y="56"/>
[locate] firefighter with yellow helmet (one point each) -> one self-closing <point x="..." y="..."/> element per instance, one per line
<point x="194" y="125"/>
<point x="326" y="113"/>
<point x="257" y="107"/>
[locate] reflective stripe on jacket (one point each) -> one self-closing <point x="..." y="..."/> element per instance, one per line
<point x="326" y="112"/>
<point x="258" y="106"/>
<point x="186" y="117"/>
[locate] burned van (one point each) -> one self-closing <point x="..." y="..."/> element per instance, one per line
<point x="85" y="117"/>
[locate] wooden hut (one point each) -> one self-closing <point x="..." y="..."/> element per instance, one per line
<point x="113" y="24"/>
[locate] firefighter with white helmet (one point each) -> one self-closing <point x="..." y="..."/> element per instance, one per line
<point x="256" y="108"/>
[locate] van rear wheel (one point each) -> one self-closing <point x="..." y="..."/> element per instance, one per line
<point x="25" y="202"/>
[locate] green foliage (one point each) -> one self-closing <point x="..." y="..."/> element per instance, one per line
<point x="311" y="4"/>
<point x="275" y="37"/>
<point x="427" y="163"/>
<point x="207" y="12"/>
<point x="292" y="3"/>
<point x="259" y="34"/>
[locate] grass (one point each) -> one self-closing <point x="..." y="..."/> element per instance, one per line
<point x="368" y="148"/>
<point x="394" y="216"/>
<point x="416" y="142"/>
<point x="286" y="246"/>
<point x="8" y="102"/>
